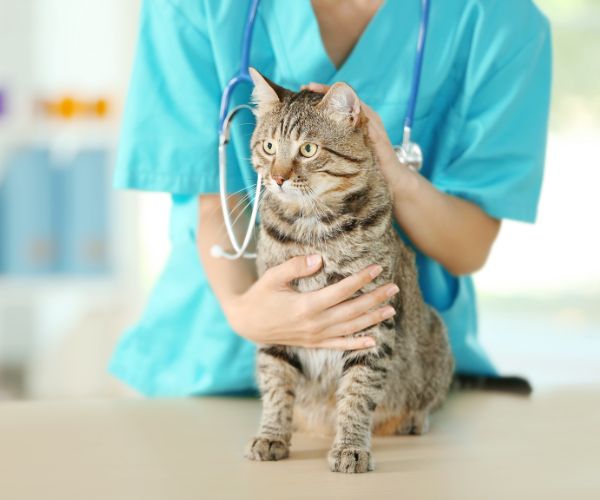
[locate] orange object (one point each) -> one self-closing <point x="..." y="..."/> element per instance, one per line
<point x="68" y="108"/>
<point x="101" y="108"/>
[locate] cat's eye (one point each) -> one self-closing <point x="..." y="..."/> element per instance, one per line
<point x="308" y="149"/>
<point x="269" y="147"/>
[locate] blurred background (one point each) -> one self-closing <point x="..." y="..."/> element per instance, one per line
<point x="78" y="258"/>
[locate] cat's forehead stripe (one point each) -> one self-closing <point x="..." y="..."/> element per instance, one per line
<point x="291" y="122"/>
<point x="280" y="129"/>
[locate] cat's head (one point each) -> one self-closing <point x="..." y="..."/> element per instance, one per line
<point x="309" y="146"/>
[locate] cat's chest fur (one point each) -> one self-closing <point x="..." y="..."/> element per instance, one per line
<point x="342" y="255"/>
<point x="322" y="367"/>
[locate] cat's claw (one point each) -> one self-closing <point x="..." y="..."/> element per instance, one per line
<point x="263" y="448"/>
<point x="350" y="460"/>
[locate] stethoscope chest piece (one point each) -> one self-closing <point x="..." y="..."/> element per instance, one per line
<point x="409" y="153"/>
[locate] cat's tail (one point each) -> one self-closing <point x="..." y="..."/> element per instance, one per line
<point x="512" y="384"/>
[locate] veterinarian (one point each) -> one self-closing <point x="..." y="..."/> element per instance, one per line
<point x="481" y="121"/>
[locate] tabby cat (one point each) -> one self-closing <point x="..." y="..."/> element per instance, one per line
<point x="325" y="194"/>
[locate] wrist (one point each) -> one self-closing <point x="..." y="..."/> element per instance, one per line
<point x="233" y="308"/>
<point x="403" y="181"/>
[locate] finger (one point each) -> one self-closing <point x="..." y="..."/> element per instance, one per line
<point x="342" y="290"/>
<point x="377" y="130"/>
<point x="367" y="110"/>
<point x="373" y="116"/>
<point x="319" y="88"/>
<point x="379" y="136"/>
<point x="296" y="267"/>
<point x="358" y="324"/>
<point x="354" y="308"/>
<point x="376" y="126"/>
<point x="346" y="343"/>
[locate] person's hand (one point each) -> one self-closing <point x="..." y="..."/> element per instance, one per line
<point x="271" y="312"/>
<point x="393" y="170"/>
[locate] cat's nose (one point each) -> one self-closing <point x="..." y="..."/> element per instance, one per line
<point x="279" y="179"/>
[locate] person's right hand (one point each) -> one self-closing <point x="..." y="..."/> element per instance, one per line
<point x="271" y="312"/>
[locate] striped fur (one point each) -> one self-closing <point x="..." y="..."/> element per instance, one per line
<point x="337" y="204"/>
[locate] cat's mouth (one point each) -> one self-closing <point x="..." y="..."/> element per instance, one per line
<point x="286" y="190"/>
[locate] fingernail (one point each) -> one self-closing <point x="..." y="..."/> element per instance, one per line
<point x="368" y="342"/>
<point x="392" y="290"/>
<point x="313" y="260"/>
<point x="375" y="271"/>
<point x="388" y="312"/>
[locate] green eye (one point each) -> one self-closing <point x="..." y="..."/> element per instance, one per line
<point x="269" y="147"/>
<point x="308" y="149"/>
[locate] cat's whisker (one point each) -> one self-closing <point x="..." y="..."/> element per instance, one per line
<point x="243" y="211"/>
<point x="228" y="196"/>
<point x="245" y="188"/>
<point x="241" y="201"/>
<point x="236" y="193"/>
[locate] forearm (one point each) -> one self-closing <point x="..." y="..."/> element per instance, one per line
<point x="228" y="279"/>
<point x="456" y="233"/>
<point x="269" y="311"/>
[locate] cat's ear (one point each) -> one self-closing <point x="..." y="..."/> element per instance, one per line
<point x="266" y="94"/>
<point x="342" y="103"/>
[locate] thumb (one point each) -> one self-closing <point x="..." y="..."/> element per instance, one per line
<point x="296" y="267"/>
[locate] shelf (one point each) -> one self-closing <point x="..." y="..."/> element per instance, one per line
<point x="11" y="286"/>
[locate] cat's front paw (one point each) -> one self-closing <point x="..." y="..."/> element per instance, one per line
<point x="263" y="448"/>
<point x="350" y="460"/>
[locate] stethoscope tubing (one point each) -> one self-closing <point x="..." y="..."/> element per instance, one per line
<point x="418" y="66"/>
<point x="243" y="75"/>
<point x="226" y="116"/>
<point x="240" y="250"/>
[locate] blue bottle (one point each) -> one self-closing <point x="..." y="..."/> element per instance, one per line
<point x="84" y="207"/>
<point x="28" y="238"/>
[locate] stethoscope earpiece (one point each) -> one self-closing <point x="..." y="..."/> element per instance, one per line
<point x="217" y="251"/>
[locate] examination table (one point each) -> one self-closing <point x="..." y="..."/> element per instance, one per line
<point x="481" y="446"/>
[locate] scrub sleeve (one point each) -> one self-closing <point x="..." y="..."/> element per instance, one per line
<point x="182" y="344"/>
<point x="500" y="119"/>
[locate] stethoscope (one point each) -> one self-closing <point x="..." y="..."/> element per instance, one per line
<point x="408" y="152"/>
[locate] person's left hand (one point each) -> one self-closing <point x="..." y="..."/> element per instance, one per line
<point x="391" y="167"/>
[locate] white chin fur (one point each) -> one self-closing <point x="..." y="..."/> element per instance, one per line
<point x="287" y="192"/>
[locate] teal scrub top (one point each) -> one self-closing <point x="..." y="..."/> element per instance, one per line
<point x="481" y="120"/>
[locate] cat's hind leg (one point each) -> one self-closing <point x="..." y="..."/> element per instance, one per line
<point x="419" y="423"/>
<point x="415" y="423"/>
<point x="278" y="370"/>
<point x="407" y="423"/>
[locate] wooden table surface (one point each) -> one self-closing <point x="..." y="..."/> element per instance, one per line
<point x="481" y="446"/>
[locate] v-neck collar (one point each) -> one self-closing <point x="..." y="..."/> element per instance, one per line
<point x="301" y="47"/>
<point x="359" y="47"/>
